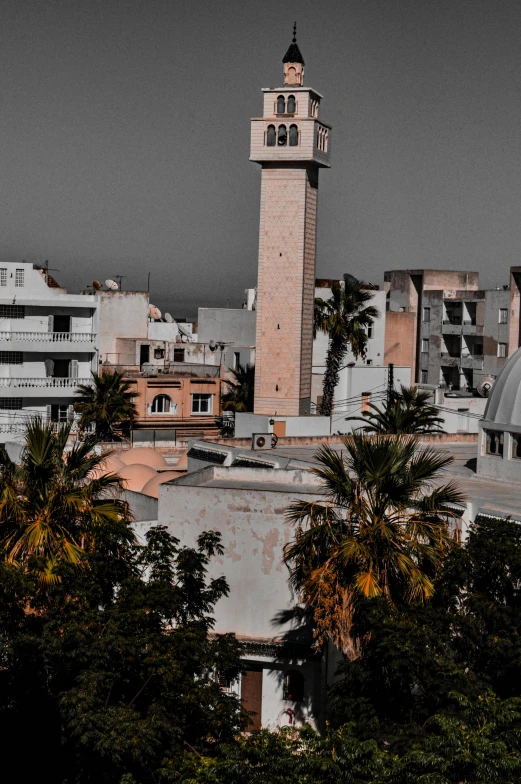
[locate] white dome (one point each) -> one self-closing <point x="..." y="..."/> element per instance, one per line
<point x="504" y="403"/>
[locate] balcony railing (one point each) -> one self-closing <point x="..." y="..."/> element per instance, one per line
<point x="44" y="383"/>
<point x="455" y="321"/>
<point x="50" y="337"/>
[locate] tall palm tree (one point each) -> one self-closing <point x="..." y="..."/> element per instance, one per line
<point x="344" y="317"/>
<point x="108" y="403"/>
<point x="380" y="529"/>
<point x="240" y="394"/>
<point x="53" y="503"/>
<point x="407" y="411"/>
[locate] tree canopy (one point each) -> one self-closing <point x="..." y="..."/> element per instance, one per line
<point x="407" y="411"/>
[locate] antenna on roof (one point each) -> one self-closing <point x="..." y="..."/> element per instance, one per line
<point x="96" y="285"/>
<point x="119" y="278"/>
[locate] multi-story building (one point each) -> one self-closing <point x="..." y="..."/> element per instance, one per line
<point x="48" y="344"/>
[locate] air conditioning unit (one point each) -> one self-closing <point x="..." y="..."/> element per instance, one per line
<point x="261" y="441"/>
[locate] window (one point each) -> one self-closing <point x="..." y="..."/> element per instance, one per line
<point x="202" y="403"/>
<point x="503" y="315"/>
<point x="366" y="399"/>
<point x="12" y="311"/>
<point x="369" y="331"/>
<point x="501" y="349"/>
<point x="161" y="404"/>
<point x="291" y="104"/>
<point x="10" y="403"/>
<point x="516" y="446"/>
<point x="426" y="315"/>
<point x="494" y="444"/>
<point x="281" y="105"/>
<point x="283" y="136"/>
<point x="179" y="355"/>
<point x="59" y="413"/>
<point x="236" y="359"/>
<point x="3" y="276"/>
<point x="271" y="136"/>
<point x="11" y="358"/>
<point x="19" y="278"/>
<point x="293" y="686"/>
<point x="293" y="136"/>
<point x="425" y="346"/>
<point x="369" y="362"/>
<point x="159" y="353"/>
<point x="424" y="376"/>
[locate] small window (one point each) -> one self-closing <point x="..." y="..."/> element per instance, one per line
<point x="293" y="686"/>
<point x="202" y="403"/>
<point x="369" y="362"/>
<point x="19" y="278"/>
<point x="159" y="353"/>
<point x="12" y="311"/>
<point x="494" y="445"/>
<point x="11" y="358"/>
<point x="503" y="315"/>
<point x="426" y="315"/>
<point x="516" y="446"/>
<point x="369" y="331"/>
<point x="281" y="105"/>
<point x="425" y="346"/>
<point x="10" y="403"/>
<point x="501" y="349"/>
<point x="236" y="359"/>
<point x="59" y="413"/>
<point x="291" y="104"/>
<point x="283" y="136"/>
<point x="161" y="404"/>
<point x="366" y="399"/>
<point x="179" y="355"/>
<point x="424" y="376"/>
<point x="293" y="136"/>
<point x="3" y="276"/>
<point x="271" y="136"/>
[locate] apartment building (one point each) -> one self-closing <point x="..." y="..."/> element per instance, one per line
<point x="48" y="344"/>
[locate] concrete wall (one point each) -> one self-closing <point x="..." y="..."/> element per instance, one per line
<point x="400" y="340"/>
<point x="227" y="325"/>
<point x="123" y="314"/>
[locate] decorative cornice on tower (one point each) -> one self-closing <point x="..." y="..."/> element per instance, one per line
<point x="293" y="63"/>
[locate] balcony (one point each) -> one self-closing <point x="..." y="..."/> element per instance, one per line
<point x="40" y="387"/>
<point x="166" y="370"/>
<point x="471" y="328"/>
<point x="43" y="341"/>
<point x="452" y="326"/>
<point x="469" y="361"/>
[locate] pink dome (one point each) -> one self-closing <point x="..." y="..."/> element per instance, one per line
<point x="136" y="476"/>
<point x="152" y="486"/>
<point x="111" y="465"/>
<point x="144" y="456"/>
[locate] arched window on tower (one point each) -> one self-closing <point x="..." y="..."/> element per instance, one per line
<point x="283" y="136"/>
<point x="162" y="404"/>
<point x="281" y="105"/>
<point x="291" y="104"/>
<point x="293" y="136"/>
<point x="271" y="136"/>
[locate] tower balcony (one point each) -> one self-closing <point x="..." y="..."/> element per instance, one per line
<point x="287" y="140"/>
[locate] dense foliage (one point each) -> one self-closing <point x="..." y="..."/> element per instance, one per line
<point x="406" y="411"/>
<point x="240" y="389"/>
<point x="107" y="405"/>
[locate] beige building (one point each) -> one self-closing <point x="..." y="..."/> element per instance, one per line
<point x="291" y="144"/>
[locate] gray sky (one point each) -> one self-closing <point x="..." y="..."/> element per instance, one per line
<point x="125" y="137"/>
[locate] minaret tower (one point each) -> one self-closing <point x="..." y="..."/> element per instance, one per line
<point x="291" y="144"/>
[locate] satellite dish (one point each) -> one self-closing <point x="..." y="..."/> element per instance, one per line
<point x="111" y="284"/>
<point x="96" y="284"/>
<point x="168" y="318"/>
<point x="485" y="385"/>
<point x="153" y="312"/>
<point x="213" y="345"/>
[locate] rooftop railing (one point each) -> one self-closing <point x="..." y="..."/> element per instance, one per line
<point x="44" y="383"/>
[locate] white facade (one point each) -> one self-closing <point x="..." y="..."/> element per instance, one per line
<point x="48" y="344"/>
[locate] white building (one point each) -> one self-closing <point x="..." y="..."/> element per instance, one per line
<point x="48" y="344"/>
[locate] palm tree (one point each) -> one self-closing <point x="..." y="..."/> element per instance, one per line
<point x="344" y="317"/>
<point x="407" y="411"/>
<point x="241" y="389"/>
<point x="54" y="504"/>
<point x="108" y="403"/>
<point x="381" y="529"/>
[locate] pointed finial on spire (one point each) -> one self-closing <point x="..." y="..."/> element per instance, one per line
<point x="295" y="33"/>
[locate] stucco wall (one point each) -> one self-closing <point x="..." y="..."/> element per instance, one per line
<point x="227" y="325"/>
<point x="123" y="314"/>
<point x="400" y="339"/>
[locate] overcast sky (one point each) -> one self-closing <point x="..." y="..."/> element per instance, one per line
<point x="125" y="137"/>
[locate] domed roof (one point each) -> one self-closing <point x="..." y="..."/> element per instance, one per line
<point x="145" y="456"/>
<point x="152" y="486"/>
<point x="136" y="476"/>
<point x="504" y="403"/>
<point x="110" y="465"/>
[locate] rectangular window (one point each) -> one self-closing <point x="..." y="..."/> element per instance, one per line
<point x="369" y="362"/>
<point x="516" y="446"/>
<point x="11" y="358"/>
<point x="19" y="278"/>
<point x="369" y="331"/>
<point x="202" y="403"/>
<point x="425" y="346"/>
<point x="59" y="413"/>
<point x="3" y="276"/>
<point x="236" y="359"/>
<point x="10" y="403"/>
<point x="426" y="315"/>
<point x="366" y="399"/>
<point x="179" y="355"/>
<point x="503" y="315"/>
<point x="159" y="353"/>
<point x="494" y="445"/>
<point x="424" y="376"/>
<point x="501" y="349"/>
<point x="12" y="311"/>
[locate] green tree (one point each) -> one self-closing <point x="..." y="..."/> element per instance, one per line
<point x="381" y="529"/>
<point x="108" y="404"/>
<point x="54" y="500"/>
<point x="407" y="411"/>
<point x="344" y="317"/>
<point x="240" y="390"/>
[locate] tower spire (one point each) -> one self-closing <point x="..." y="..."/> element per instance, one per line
<point x="293" y="63"/>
